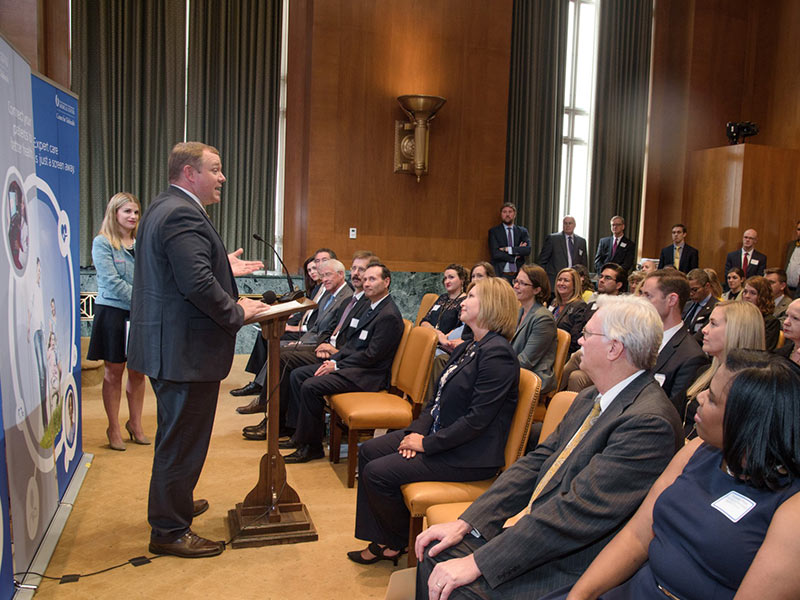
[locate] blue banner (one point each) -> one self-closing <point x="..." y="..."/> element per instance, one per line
<point x="55" y="128"/>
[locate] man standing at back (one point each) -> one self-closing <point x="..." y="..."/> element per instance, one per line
<point x="509" y="244"/>
<point x="563" y="249"/>
<point x="616" y="248"/>
<point x="679" y="254"/>
<point x="184" y="319"/>
<point x="750" y="260"/>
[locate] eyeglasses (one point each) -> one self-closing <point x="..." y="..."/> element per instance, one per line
<point x="587" y="334"/>
<point x="518" y="282"/>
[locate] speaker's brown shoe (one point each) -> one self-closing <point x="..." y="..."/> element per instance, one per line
<point x="189" y="545"/>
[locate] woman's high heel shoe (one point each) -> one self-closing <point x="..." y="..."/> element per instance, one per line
<point x="144" y="440"/>
<point x="120" y="446"/>
<point x="378" y="554"/>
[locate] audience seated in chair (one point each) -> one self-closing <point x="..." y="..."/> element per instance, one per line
<point x="623" y="433"/>
<point x="459" y="436"/>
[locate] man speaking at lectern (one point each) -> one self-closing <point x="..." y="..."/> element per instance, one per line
<point x="184" y="319"/>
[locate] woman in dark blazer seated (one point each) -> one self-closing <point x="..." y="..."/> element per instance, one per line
<point x="568" y="307"/>
<point x="535" y="339"/>
<point x="758" y="291"/>
<point x="461" y="433"/>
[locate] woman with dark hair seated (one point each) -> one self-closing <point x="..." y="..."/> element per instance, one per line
<point x="735" y="279"/>
<point x="443" y="315"/>
<point x="535" y="339"/>
<point x="758" y="291"/>
<point x="724" y="517"/>
<point x="481" y="270"/>
<point x="461" y="433"/>
<point x="568" y="307"/>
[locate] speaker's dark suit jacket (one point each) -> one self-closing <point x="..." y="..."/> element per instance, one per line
<point x="689" y="258"/>
<point x="625" y="255"/>
<point x="678" y="365"/>
<point x="184" y="315"/>
<point x="497" y="240"/>
<point x="734" y="259"/>
<point x="554" y="257"/>
<point x="184" y="320"/>
<point x="587" y="501"/>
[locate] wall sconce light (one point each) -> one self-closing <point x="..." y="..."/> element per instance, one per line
<point x="411" y="149"/>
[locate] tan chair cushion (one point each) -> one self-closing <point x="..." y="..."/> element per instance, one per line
<point x="366" y="410"/>
<point x="444" y="513"/>
<point x="421" y="495"/>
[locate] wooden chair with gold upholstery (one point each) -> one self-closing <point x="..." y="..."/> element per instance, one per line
<point x="559" y="405"/>
<point x="425" y="304"/>
<point x="562" y="351"/>
<point x="420" y="495"/>
<point x="364" y="411"/>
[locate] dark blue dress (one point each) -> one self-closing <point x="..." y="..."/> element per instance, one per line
<point x="698" y="551"/>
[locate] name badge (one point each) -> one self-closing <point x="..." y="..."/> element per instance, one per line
<point x="754" y="261"/>
<point x="363" y="335"/>
<point x="354" y="322"/>
<point x="734" y="505"/>
<point x="623" y="244"/>
<point x="436" y="307"/>
<point x="660" y="378"/>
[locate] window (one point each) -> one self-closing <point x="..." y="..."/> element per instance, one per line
<point x="579" y="90"/>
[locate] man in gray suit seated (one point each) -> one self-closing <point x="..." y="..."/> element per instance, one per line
<point x="578" y="487"/>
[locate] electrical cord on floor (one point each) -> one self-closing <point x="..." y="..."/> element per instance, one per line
<point x="138" y="561"/>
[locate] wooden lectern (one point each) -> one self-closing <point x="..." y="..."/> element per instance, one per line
<point x="272" y="512"/>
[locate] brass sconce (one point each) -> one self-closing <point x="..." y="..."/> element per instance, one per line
<point x="411" y="150"/>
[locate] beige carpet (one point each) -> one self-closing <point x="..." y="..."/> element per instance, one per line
<point x="108" y="523"/>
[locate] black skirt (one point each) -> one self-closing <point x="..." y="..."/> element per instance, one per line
<point x="108" y="334"/>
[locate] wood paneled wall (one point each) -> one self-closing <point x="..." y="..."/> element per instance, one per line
<point x="716" y="61"/>
<point x="39" y="30"/>
<point x="348" y="61"/>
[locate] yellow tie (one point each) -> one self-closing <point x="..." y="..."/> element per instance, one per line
<point x="676" y="257"/>
<point x="576" y="439"/>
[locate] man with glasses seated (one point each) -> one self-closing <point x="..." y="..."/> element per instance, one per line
<point x="546" y="517"/>
<point x="611" y="281"/>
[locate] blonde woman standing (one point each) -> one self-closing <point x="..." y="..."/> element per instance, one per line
<point x="112" y="254"/>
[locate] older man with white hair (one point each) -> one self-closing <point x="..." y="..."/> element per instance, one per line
<point x="578" y="487"/>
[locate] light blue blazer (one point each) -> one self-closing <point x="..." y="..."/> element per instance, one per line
<point x="114" y="274"/>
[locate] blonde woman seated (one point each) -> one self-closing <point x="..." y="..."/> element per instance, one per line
<point x="461" y="433"/>
<point x="731" y="325"/>
<point x="535" y="339"/>
<point x="568" y="307"/>
<point x="713" y="279"/>
<point x="724" y="518"/>
<point x="791" y="333"/>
